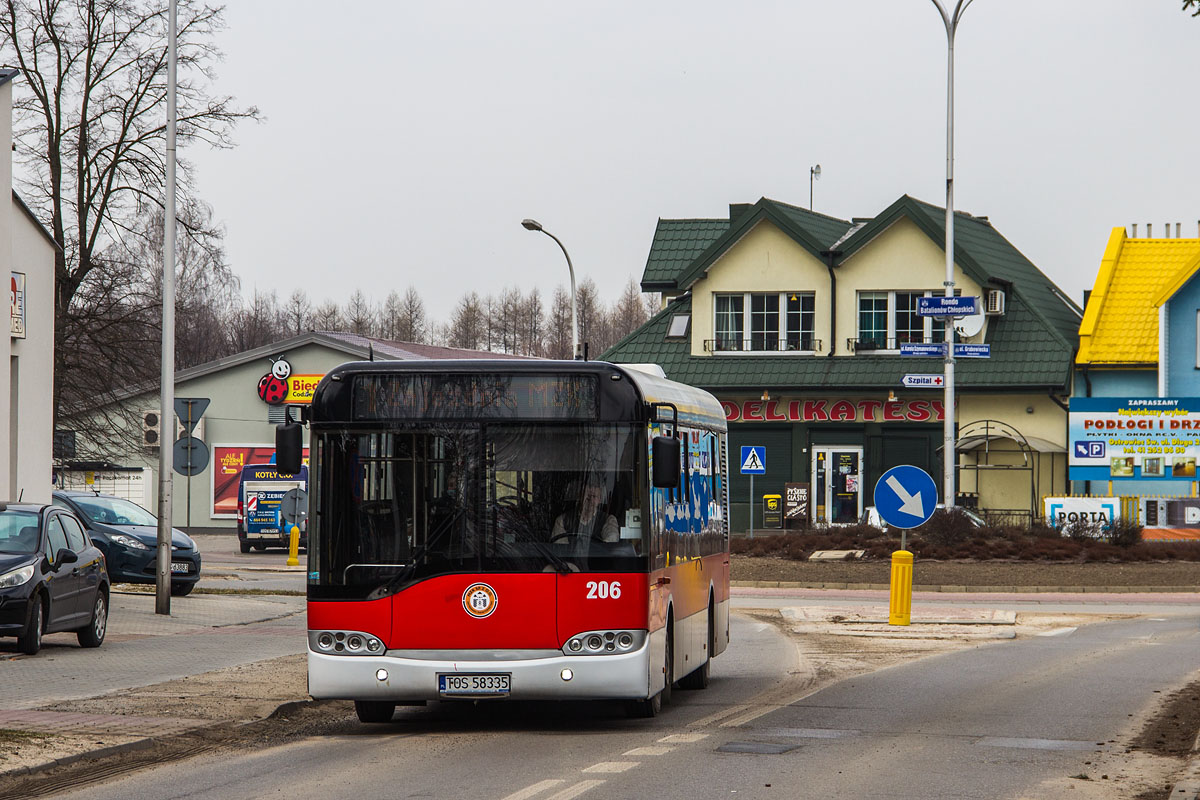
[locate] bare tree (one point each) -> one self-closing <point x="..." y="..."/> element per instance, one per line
<point x="328" y="317"/>
<point x="593" y="321"/>
<point x="558" y="338"/>
<point x="628" y="313"/>
<point x="533" y="323"/>
<point x="413" y="324"/>
<point x="360" y="316"/>
<point x="468" y="325"/>
<point x="91" y="128"/>
<point x="257" y="323"/>
<point x="297" y="311"/>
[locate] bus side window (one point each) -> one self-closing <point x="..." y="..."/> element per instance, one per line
<point x="712" y="465"/>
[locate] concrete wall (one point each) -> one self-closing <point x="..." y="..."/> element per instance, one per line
<point x="26" y="365"/>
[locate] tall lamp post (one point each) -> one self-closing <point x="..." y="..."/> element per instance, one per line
<point x="813" y="173"/>
<point x="577" y="351"/>
<point x="949" y="447"/>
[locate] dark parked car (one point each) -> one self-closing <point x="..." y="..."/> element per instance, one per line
<point x="51" y="577"/>
<point x="127" y="534"/>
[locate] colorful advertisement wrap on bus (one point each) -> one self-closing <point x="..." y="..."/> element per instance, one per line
<point x="228" y="460"/>
<point x="1154" y="438"/>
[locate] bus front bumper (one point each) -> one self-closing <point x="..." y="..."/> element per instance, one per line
<point x="596" y="677"/>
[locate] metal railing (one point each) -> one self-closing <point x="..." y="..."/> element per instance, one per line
<point x="790" y="344"/>
<point x="866" y="344"/>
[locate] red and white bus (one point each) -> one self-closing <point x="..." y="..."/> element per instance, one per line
<point x="512" y="529"/>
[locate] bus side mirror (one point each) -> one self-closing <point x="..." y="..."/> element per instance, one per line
<point x="289" y="446"/>
<point x="665" y="452"/>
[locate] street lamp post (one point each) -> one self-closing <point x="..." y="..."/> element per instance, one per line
<point x="949" y="448"/>
<point x="813" y="172"/>
<point x="576" y="349"/>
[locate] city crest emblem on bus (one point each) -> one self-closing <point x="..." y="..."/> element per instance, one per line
<point x="480" y="600"/>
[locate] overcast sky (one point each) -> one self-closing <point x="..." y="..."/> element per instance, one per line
<point x="404" y="142"/>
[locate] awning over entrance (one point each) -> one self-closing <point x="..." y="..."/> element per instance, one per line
<point x="1035" y="443"/>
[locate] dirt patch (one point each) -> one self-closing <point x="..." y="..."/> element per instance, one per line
<point x="1173" y="730"/>
<point x="1175" y="575"/>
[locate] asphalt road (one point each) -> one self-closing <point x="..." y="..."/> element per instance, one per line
<point x="990" y="722"/>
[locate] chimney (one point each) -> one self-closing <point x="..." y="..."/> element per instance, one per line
<point x="1149" y="230"/>
<point x="1178" y="226"/>
<point x="1135" y="229"/>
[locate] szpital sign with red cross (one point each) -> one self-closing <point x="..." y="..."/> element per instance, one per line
<point x="924" y="381"/>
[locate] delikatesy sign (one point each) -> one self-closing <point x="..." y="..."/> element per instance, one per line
<point x="1114" y="438"/>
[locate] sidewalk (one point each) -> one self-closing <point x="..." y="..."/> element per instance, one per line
<point x="203" y="634"/>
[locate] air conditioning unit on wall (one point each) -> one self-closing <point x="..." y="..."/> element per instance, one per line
<point x="995" y="301"/>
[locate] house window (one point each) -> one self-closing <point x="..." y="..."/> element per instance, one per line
<point x="887" y="320"/>
<point x="729" y="322"/>
<point x="800" y="321"/>
<point x="679" y="326"/>
<point x="764" y="322"/>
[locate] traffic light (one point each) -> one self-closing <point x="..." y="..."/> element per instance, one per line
<point x="151" y="428"/>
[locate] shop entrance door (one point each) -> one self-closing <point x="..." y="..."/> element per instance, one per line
<point x="837" y="485"/>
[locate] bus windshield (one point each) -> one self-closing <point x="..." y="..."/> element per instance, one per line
<point x="396" y="506"/>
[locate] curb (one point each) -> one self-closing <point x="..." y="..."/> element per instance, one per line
<point x="138" y="744"/>
<point x="884" y="587"/>
<point x="1188" y="787"/>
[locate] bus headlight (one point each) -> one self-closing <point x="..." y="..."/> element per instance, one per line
<point x="595" y="643"/>
<point x="345" y="643"/>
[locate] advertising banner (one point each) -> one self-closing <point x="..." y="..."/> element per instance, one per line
<point x="1153" y="438"/>
<point x="1062" y="511"/>
<point x="227" y="461"/>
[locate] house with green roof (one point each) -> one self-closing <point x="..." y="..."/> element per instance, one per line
<point x="1136" y="400"/>
<point x="796" y="322"/>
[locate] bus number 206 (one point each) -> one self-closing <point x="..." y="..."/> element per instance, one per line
<point x="603" y="590"/>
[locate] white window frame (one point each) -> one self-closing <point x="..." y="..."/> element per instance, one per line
<point x="891" y="315"/>
<point x="780" y="326"/>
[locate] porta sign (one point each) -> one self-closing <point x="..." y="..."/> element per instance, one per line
<point x="1062" y="511"/>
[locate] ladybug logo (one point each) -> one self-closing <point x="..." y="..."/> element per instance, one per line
<point x="273" y="387"/>
<point x="480" y="600"/>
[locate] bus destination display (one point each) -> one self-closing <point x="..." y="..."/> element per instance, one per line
<point x="451" y="396"/>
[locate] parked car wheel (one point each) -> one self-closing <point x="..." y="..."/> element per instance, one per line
<point x="244" y="547"/>
<point x="93" y="634"/>
<point x="30" y="641"/>
<point x="182" y="589"/>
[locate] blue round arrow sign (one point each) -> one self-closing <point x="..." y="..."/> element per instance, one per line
<point x="905" y="496"/>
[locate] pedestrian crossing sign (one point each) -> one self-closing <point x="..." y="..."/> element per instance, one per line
<point x="754" y="459"/>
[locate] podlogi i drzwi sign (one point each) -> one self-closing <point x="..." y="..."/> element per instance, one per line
<point x="1113" y="438"/>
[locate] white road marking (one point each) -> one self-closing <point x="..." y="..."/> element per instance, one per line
<point x="713" y="719"/>
<point x="1059" y="631"/>
<point x="530" y="791"/>
<point x="612" y="766"/>
<point x="653" y="750"/>
<point x="684" y="738"/>
<point x="576" y="790"/>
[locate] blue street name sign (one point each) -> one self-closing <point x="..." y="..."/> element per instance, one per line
<point x="937" y="349"/>
<point x="905" y="496"/>
<point x="972" y="351"/>
<point x="942" y="306"/>
<point x="754" y="459"/>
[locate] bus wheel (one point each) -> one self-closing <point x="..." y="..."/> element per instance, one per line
<point x="374" y="710"/>
<point x="698" y="678"/>
<point x="652" y="706"/>
<point x="669" y="669"/>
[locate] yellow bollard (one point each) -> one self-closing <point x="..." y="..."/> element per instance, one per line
<point x="900" y="606"/>
<point x="294" y="548"/>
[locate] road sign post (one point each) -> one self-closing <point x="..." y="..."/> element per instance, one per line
<point x="905" y="497"/>
<point x="190" y="410"/>
<point x="754" y="462"/>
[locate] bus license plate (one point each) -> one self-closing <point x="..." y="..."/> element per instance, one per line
<point x="178" y="567"/>
<point x="487" y="685"/>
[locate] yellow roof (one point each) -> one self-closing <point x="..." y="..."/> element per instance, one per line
<point x="1120" y="323"/>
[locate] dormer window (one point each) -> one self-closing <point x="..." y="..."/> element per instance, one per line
<point x="763" y="322"/>
<point x="679" y="326"/>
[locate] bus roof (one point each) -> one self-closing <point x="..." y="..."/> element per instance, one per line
<point x="696" y="406"/>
